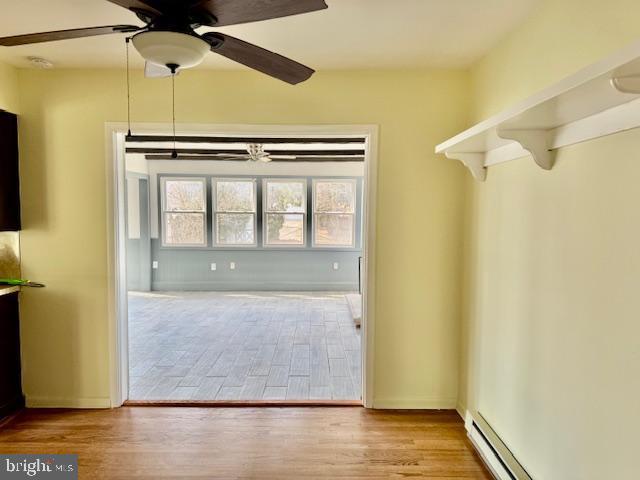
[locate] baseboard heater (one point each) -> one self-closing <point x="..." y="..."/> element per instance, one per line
<point x="495" y="454"/>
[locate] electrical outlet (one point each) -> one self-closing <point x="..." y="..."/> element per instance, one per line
<point x="336" y="265"/>
<point x="213" y="267"/>
<point x="154" y="265"/>
<point x="232" y="265"/>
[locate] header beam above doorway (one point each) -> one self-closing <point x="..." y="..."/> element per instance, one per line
<point x="211" y="151"/>
<point x="228" y="139"/>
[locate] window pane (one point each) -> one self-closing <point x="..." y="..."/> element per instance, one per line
<point x="334" y="230"/>
<point x="184" y="229"/>
<point x="181" y="195"/>
<point x="339" y="197"/>
<point x="286" y="197"/>
<point x="235" y="229"/>
<point x="285" y="229"/>
<point x="235" y="196"/>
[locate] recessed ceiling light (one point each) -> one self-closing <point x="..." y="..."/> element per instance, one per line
<point x="41" y="63"/>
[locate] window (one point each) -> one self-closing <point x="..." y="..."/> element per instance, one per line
<point x="334" y="219"/>
<point x="184" y="212"/>
<point x="285" y="211"/>
<point x="234" y="216"/>
<point x="235" y="209"/>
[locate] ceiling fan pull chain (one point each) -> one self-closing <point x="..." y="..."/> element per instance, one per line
<point x="127" y="40"/>
<point x="174" y="154"/>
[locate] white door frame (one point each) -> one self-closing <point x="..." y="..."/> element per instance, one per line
<point x="117" y="291"/>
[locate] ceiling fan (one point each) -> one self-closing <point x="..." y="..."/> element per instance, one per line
<point x="255" y="153"/>
<point x="168" y="41"/>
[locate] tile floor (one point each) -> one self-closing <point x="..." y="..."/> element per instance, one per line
<point x="243" y="346"/>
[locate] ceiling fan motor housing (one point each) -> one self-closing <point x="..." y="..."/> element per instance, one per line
<point x="257" y="153"/>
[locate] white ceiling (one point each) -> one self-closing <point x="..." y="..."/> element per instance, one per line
<point x="350" y="34"/>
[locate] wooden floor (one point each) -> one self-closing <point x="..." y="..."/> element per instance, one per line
<point x="243" y="346"/>
<point x="250" y="443"/>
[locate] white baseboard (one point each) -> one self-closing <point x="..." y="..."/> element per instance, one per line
<point x="64" y="402"/>
<point x="415" y="403"/>
<point x="462" y="410"/>
<point x="244" y="286"/>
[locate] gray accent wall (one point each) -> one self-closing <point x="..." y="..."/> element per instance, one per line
<point x="302" y="270"/>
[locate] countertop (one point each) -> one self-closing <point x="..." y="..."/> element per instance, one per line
<point x="7" y="289"/>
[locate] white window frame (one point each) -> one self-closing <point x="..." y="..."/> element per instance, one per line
<point x="314" y="182"/>
<point x="265" y="212"/>
<point x="164" y="211"/>
<point x="214" y="201"/>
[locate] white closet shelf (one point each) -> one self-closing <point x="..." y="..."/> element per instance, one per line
<point x="584" y="106"/>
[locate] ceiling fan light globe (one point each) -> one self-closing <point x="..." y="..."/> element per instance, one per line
<point x="171" y="48"/>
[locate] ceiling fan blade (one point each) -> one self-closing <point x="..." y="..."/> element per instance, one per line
<point x="258" y="58"/>
<point x="187" y="154"/>
<point x="65" y="34"/>
<point x="233" y="12"/>
<point x="223" y="155"/>
<point x="151" y="70"/>
<point x="138" y="6"/>
<point x="213" y="158"/>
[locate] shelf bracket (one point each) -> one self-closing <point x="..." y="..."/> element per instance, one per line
<point x="627" y="84"/>
<point x="473" y="161"/>
<point x="536" y="142"/>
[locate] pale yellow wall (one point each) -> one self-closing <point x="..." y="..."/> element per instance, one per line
<point x="9" y="88"/>
<point x="550" y="332"/>
<point x="558" y="38"/>
<point x="418" y="218"/>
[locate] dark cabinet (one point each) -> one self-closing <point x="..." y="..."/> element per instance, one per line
<point x="9" y="179"/>
<point x="11" y="398"/>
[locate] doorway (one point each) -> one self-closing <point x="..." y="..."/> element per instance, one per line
<point x="244" y="279"/>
